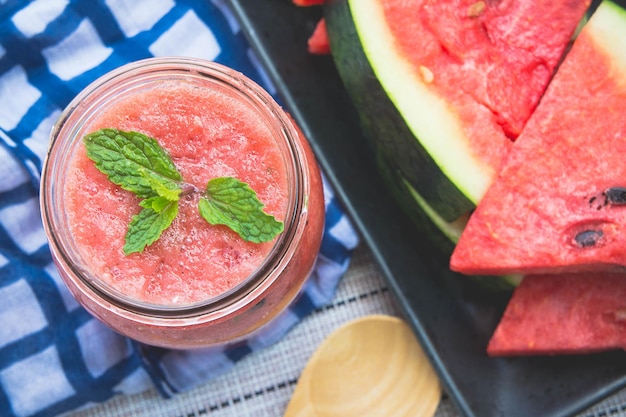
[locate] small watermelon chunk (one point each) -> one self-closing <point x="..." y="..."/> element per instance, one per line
<point x="318" y="41"/>
<point x="307" y="3"/>
<point x="563" y="314"/>
<point x="557" y="205"/>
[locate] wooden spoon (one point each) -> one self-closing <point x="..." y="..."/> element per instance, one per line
<point x="372" y="366"/>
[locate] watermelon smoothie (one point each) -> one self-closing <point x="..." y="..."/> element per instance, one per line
<point x="198" y="284"/>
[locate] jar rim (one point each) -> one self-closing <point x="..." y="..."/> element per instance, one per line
<point x="155" y="68"/>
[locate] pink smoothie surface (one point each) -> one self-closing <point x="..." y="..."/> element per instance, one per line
<point x="207" y="134"/>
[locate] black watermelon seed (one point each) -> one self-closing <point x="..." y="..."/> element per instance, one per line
<point x="588" y="238"/>
<point x="616" y="195"/>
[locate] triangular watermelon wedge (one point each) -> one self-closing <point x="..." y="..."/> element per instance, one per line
<point x="559" y="204"/>
<point x="563" y="314"/>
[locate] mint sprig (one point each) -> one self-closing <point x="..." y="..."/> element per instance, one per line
<point x="233" y="203"/>
<point x="138" y="163"/>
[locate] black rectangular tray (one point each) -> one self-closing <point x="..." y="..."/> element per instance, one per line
<point x="451" y="316"/>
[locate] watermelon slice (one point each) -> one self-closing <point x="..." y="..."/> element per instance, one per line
<point x="563" y="314"/>
<point x="559" y="204"/>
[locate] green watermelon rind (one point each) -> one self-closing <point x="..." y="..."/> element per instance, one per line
<point x="611" y="31"/>
<point x="384" y="126"/>
<point x="451" y="230"/>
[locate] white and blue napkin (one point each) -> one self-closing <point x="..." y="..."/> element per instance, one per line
<point x="55" y="357"/>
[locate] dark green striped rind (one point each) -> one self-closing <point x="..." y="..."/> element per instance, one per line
<point x="383" y="124"/>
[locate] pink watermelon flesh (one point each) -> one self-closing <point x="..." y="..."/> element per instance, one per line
<point x="563" y="314"/>
<point x="557" y="204"/>
<point x="307" y="3"/>
<point x="491" y="59"/>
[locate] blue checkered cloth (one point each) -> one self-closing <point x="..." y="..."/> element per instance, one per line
<point x="55" y="357"/>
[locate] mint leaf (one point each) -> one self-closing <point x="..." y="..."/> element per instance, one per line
<point x="233" y="203"/>
<point x="147" y="226"/>
<point x="133" y="161"/>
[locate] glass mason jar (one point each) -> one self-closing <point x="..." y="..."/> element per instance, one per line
<point x="113" y="292"/>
